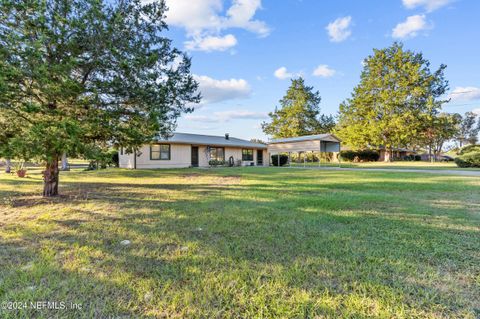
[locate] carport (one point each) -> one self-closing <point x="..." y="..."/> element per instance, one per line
<point x="306" y="151"/>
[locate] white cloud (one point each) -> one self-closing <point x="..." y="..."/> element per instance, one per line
<point x="211" y="43"/>
<point x="226" y="116"/>
<point x="339" y="30"/>
<point x="476" y="111"/>
<point x="411" y="27"/>
<point x="468" y="93"/>
<point x="429" y="5"/>
<point x="214" y="91"/>
<point x="205" y="20"/>
<point x="240" y="114"/>
<point x="324" y="71"/>
<point x="282" y="73"/>
<point x="240" y="15"/>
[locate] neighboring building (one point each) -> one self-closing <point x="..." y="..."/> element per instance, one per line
<point x="194" y="150"/>
<point x="398" y="153"/>
<point x="440" y="157"/>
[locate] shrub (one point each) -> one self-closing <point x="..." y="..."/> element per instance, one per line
<point x="363" y="156"/>
<point x="469" y="160"/>
<point x="283" y="160"/>
<point x="214" y="162"/>
<point x="417" y="158"/>
<point x="469" y="149"/>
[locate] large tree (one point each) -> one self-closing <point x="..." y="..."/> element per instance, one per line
<point x="79" y="73"/>
<point x="469" y="129"/>
<point x="386" y="108"/>
<point x="299" y="113"/>
<point x="438" y="129"/>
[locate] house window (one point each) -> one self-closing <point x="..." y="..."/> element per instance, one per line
<point x="217" y="153"/>
<point x="247" y="155"/>
<point x="160" y="152"/>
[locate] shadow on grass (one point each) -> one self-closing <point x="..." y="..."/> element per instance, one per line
<point x="297" y="235"/>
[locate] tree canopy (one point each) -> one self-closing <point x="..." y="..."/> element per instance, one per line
<point x="299" y="113"/>
<point x="468" y="129"/>
<point x="75" y="74"/>
<point x="387" y="108"/>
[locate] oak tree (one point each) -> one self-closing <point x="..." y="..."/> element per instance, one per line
<point x="386" y="109"/>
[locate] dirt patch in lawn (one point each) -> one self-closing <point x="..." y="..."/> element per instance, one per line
<point x="228" y="180"/>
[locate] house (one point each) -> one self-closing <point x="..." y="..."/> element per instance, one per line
<point x="195" y="150"/>
<point x="397" y="153"/>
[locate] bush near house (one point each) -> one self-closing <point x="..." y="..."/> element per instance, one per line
<point x="283" y="160"/>
<point x="468" y="160"/>
<point x="215" y="162"/>
<point x="363" y="155"/>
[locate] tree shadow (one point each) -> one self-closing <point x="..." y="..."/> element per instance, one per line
<point x="333" y="236"/>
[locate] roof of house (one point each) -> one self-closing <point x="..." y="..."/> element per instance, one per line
<point x="321" y="137"/>
<point x="198" y="139"/>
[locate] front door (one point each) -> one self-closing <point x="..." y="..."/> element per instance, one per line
<point x="194" y="156"/>
<point x="259" y="157"/>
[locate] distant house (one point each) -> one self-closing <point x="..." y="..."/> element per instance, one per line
<point x="195" y="150"/>
<point x="398" y="153"/>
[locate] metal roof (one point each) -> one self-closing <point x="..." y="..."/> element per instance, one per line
<point x="198" y="139"/>
<point x="321" y="137"/>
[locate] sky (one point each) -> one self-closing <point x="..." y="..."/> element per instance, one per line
<point x="244" y="52"/>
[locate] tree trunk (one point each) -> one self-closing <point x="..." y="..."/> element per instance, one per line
<point x="430" y="158"/>
<point x="388" y="155"/>
<point x="65" y="166"/>
<point x="50" y="178"/>
<point x="8" y="166"/>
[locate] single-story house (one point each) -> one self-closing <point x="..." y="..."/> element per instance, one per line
<point x="397" y="153"/>
<point x="195" y="150"/>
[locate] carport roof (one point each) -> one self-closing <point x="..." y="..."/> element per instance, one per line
<point x="318" y="137"/>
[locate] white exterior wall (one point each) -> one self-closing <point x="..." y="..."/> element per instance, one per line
<point x="125" y="160"/>
<point x="181" y="157"/>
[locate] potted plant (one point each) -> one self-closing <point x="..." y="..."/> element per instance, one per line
<point x="20" y="169"/>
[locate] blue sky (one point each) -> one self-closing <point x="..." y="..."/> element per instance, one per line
<point x="245" y="51"/>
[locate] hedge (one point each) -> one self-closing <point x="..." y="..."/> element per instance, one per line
<point x="469" y="149"/>
<point x="469" y="160"/>
<point x="364" y="155"/>
<point x="283" y="160"/>
<point x="214" y="162"/>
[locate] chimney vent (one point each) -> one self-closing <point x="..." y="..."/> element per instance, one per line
<point x="227" y="136"/>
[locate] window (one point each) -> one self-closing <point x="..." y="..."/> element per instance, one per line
<point x="217" y="153"/>
<point x="121" y="150"/>
<point x="160" y="152"/>
<point x="247" y="155"/>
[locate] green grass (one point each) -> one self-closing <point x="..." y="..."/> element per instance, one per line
<point x="243" y="243"/>
<point x="408" y="165"/>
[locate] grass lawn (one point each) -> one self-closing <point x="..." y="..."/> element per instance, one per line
<point x="243" y="243"/>
<point x="408" y="165"/>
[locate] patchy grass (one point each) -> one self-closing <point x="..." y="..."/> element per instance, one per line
<point x="243" y="243"/>
<point x="409" y="165"/>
